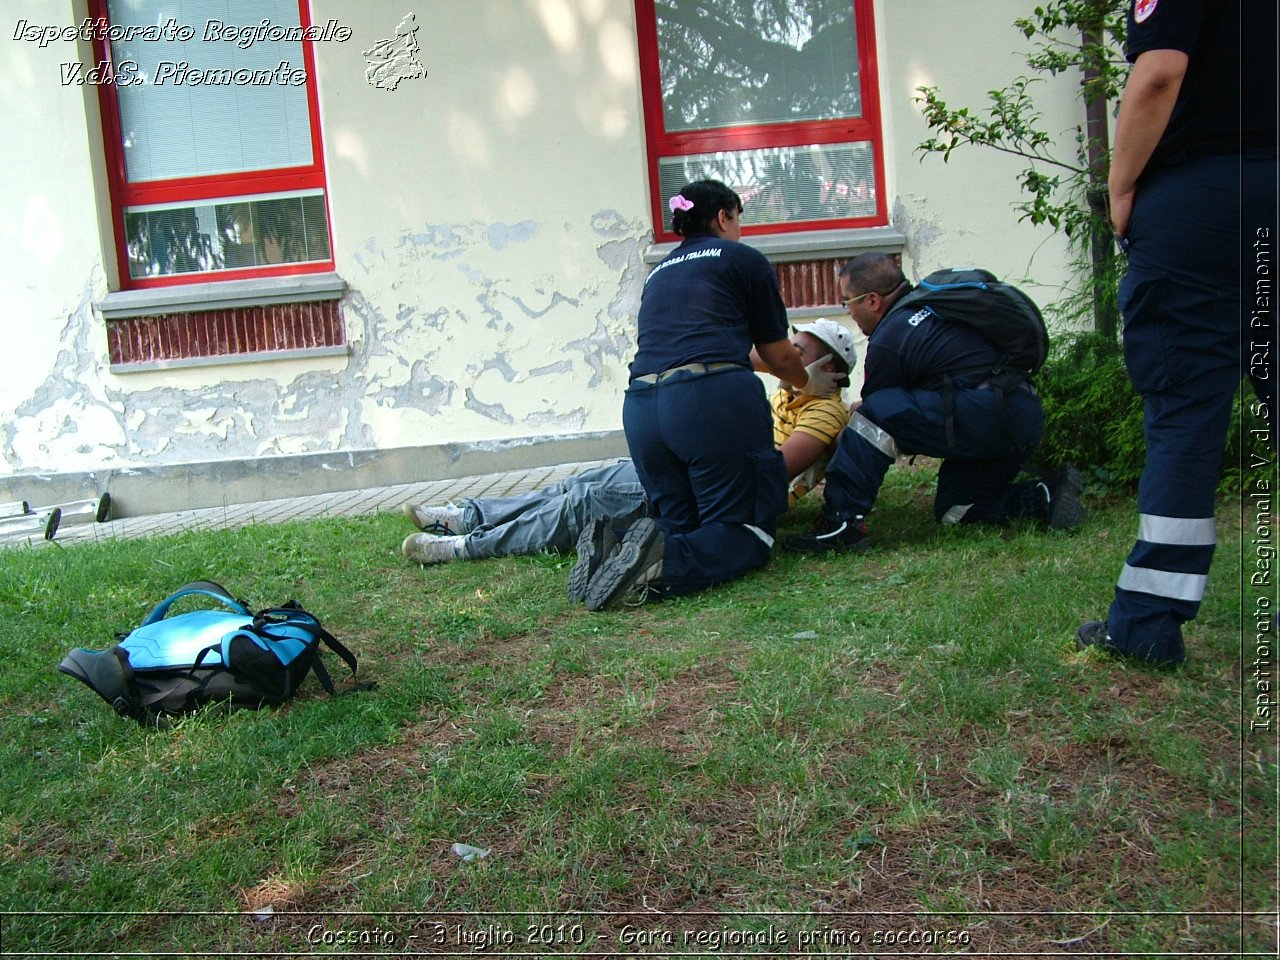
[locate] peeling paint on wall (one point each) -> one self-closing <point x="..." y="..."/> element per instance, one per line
<point x="573" y="420"/>
<point x="499" y="363"/>
<point x="442" y="236"/>
<point x="70" y="410"/>
<point x="450" y="326"/>
<point x="563" y="366"/>
<point x="920" y="233"/>
<point x="494" y="411"/>
<point x="519" y="320"/>
<point x="557" y="298"/>
<point x="501" y="235"/>
<point x="423" y="391"/>
<point x="610" y="223"/>
<point x="598" y="346"/>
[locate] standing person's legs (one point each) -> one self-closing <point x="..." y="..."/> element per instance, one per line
<point x="1164" y="577"/>
<point x="1181" y="300"/>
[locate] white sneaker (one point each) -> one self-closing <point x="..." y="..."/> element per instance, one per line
<point x="445" y="521"/>
<point x="426" y="549"/>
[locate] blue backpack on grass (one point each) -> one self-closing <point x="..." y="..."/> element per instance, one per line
<point x="173" y="665"/>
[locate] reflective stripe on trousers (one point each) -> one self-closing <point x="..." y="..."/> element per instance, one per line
<point x="1172" y="532"/>
<point x="1162" y="583"/>
<point x="873" y="435"/>
<point x="1177" y="531"/>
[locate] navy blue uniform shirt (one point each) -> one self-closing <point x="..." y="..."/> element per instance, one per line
<point x="709" y="301"/>
<point x="1207" y="117"/>
<point x="913" y="349"/>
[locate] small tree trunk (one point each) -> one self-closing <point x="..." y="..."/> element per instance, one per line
<point x="1097" y="146"/>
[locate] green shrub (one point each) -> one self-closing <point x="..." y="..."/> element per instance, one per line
<point x="1093" y="416"/>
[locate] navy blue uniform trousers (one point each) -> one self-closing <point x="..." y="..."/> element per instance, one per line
<point x="703" y="447"/>
<point x="975" y="481"/>
<point x="1184" y="327"/>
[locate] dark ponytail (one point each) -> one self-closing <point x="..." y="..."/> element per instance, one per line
<point x="698" y="204"/>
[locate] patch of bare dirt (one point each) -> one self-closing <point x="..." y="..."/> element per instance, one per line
<point x="365" y="779"/>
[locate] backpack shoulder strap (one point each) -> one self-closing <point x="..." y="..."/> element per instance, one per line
<point x="206" y="587"/>
<point x="333" y="644"/>
<point x="293" y="612"/>
<point x="296" y="616"/>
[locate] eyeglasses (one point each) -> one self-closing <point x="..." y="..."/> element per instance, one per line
<point x="848" y="302"/>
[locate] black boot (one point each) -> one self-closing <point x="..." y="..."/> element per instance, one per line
<point x="832" y="536"/>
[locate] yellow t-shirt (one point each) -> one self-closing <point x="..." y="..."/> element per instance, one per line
<point x="819" y="417"/>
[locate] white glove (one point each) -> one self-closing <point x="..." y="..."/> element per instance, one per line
<point x="821" y="383"/>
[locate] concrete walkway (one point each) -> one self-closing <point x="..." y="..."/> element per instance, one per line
<point x="347" y="503"/>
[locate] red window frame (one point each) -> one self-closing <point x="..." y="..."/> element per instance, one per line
<point x="661" y="143"/>
<point x="211" y="187"/>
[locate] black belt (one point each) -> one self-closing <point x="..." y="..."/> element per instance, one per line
<point x="696" y="369"/>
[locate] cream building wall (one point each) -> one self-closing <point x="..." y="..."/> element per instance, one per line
<point x="961" y="212"/>
<point x="489" y="220"/>
<point x="55" y="406"/>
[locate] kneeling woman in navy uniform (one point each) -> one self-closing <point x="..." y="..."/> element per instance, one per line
<point x="696" y="417"/>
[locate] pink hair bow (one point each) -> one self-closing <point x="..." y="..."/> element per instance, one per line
<point x="680" y="202"/>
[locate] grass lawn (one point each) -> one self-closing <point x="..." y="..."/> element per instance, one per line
<point x="898" y="752"/>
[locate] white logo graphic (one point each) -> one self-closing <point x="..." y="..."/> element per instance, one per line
<point x="915" y="319"/>
<point x="391" y="61"/>
<point x="1143" y="9"/>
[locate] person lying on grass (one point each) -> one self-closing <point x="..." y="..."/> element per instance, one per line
<point x="556" y="517"/>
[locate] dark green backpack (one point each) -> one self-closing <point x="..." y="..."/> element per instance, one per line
<point x="999" y="311"/>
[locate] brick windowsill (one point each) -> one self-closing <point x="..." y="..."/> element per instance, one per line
<point x="222" y="323"/>
<point x="221" y="295"/>
<point x="807" y="264"/>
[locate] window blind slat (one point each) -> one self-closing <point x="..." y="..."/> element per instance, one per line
<point x="172" y="129"/>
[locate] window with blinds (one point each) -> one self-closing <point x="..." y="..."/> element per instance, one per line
<point x="213" y="144"/>
<point x="778" y="100"/>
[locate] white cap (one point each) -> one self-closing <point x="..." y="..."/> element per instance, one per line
<point x="834" y="335"/>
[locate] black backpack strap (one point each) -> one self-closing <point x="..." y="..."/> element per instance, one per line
<point x="287" y="613"/>
<point x="1002" y="381"/>
<point x="201" y="658"/>
<point x="949" y="408"/>
<point x="1002" y="412"/>
<point x="185" y="678"/>
<point x="332" y="643"/>
<point x="322" y="674"/>
<point x="349" y="658"/>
